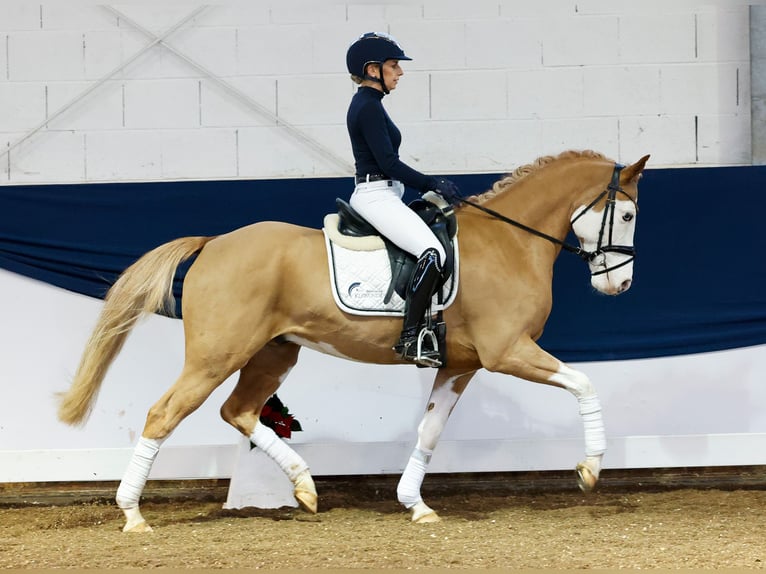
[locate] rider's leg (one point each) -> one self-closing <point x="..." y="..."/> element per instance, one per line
<point x="381" y="205"/>
<point x="421" y="288"/>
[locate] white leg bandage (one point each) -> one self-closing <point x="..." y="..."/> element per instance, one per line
<point x="408" y="491"/>
<point x="132" y="484"/>
<point x="288" y="460"/>
<point x="595" y="435"/>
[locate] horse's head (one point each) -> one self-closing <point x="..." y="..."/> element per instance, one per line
<point x="605" y="226"/>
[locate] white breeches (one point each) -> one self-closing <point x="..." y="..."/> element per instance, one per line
<point x="380" y="203"/>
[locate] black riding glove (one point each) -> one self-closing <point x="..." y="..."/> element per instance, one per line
<point x="449" y="191"/>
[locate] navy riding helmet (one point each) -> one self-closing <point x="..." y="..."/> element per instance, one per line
<point x="373" y="48"/>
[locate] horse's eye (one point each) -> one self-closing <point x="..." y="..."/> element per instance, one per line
<point x="627" y="216"/>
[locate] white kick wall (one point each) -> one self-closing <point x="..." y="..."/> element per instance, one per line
<point x="494" y="84"/>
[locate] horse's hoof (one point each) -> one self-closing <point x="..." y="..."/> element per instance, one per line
<point x="429" y="518"/>
<point x="140" y="527"/>
<point x="422" y="514"/>
<point x="307" y="499"/>
<point x="305" y="492"/>
<point x="586" y="480"/>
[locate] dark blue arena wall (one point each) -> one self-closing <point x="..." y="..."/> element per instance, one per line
<point x="699" y="278"/>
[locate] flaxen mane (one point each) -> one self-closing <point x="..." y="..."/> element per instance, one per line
<point x="523" y="171"/>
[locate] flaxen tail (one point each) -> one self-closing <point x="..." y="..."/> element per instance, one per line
<point x="144" y="287"/>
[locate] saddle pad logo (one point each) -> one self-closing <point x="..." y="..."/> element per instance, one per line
<point x="360" y="291"/>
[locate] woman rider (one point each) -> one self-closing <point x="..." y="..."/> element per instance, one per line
<point x="373" y="62"/>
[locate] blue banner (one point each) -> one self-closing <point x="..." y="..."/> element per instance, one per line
<point x="699" y="280"/>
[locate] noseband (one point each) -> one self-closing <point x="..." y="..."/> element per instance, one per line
<point x="611" y="194"/>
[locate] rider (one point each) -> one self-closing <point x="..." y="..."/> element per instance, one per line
<point x="373" y="62"/>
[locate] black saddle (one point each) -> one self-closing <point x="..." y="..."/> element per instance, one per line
<point x="443" y="224"/>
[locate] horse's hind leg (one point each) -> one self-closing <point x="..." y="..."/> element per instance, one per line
<point x="447" y="389"/>
<point x="193" y="386"/>
<point x="258" y="380"/>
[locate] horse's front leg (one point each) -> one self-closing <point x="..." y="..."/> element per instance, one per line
<point x="448" y="386"/>
<point x="590" y="410"/>
<point x="528" y="361"/>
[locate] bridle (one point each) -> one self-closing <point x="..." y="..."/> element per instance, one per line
<point x="610" y="193"/>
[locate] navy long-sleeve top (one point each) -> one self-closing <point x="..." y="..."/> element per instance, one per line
<point x="375" y="141"/>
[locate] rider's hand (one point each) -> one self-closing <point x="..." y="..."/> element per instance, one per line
<point x="449" y="191"/>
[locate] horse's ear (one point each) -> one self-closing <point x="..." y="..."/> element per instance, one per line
<point x="631" y="173"/>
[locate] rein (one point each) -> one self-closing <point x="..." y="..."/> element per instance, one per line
<point x="610" y="192"/>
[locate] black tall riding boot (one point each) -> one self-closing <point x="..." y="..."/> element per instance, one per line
<point x="422" y="285"/>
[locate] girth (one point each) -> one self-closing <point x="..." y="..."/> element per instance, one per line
<point x="443" y="225"/>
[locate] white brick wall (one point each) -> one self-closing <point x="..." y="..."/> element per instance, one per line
<point x="493" y="83"/>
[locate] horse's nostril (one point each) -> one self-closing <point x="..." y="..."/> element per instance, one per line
<point x="625" y="285"/>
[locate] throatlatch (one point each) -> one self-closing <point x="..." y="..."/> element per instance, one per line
<point x="418" y="342"/>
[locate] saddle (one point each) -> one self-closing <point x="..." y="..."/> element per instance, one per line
<point x="439" y="218"/>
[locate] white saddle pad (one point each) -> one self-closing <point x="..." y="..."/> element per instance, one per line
<point x="360" y="274"/>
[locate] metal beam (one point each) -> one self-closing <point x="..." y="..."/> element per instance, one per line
<point x="299" y="135"/>
<point x="98" y="83"/>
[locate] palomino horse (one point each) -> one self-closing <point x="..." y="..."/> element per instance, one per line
<point x="254" y="296"/>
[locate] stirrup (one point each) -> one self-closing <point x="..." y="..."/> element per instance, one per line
<point x="410" y="351"/>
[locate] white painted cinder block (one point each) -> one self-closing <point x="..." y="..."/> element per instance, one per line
<point x="528" y="76"/>
<point x="45" y="56"/>
<point x="49" y="157"/>
<point x="76" y="16"/>
<point x="377" y="13"/>
<point x="270" y="152"/>
<point x="313" y="100"/>
<point x="215" y="49"/>
<point x="532" y="9"/>
<point x="232" y="15"/>
<point x="503" y="43"/>
<point x="435" y="147"/>
<point x="411" y="101"/>
<point x="333" y="138"/>
<point x="546" y="93"/>
<point x="725" y="139"/>
<point x="123" y="155"/>
<point x="198" y="153"/>
<point x="699" y="89"/>
<point x="157" y="104"/>
<point x="22" y="105"/>
<point x="669" y="139"/>
<point x="146" y="62"/>
<point x="102" y="53"/>
<point x="657" y="38"/>
<point x="460" y="10"/>
<point x="621" y="90"/>
<point x="158" y="16"/>
<point x="101" y="109"/>
<point x="723" y="35"/>
<point x="3" y="57"/>
<point x="304" y="12"/>
<point x="598" y="134"/>
<point x="274" y="50"/>
<point x="17" y="16"/>
<point x="433" y="45"/>
<point x="330" y="43"/>
<point x="581" y="41"/>
<point x="496" y="147"/>
<point x="251" y="101"/>
<point x="469" y="95"/>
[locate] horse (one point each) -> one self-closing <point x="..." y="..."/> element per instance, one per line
<point x="254" y="296"/>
